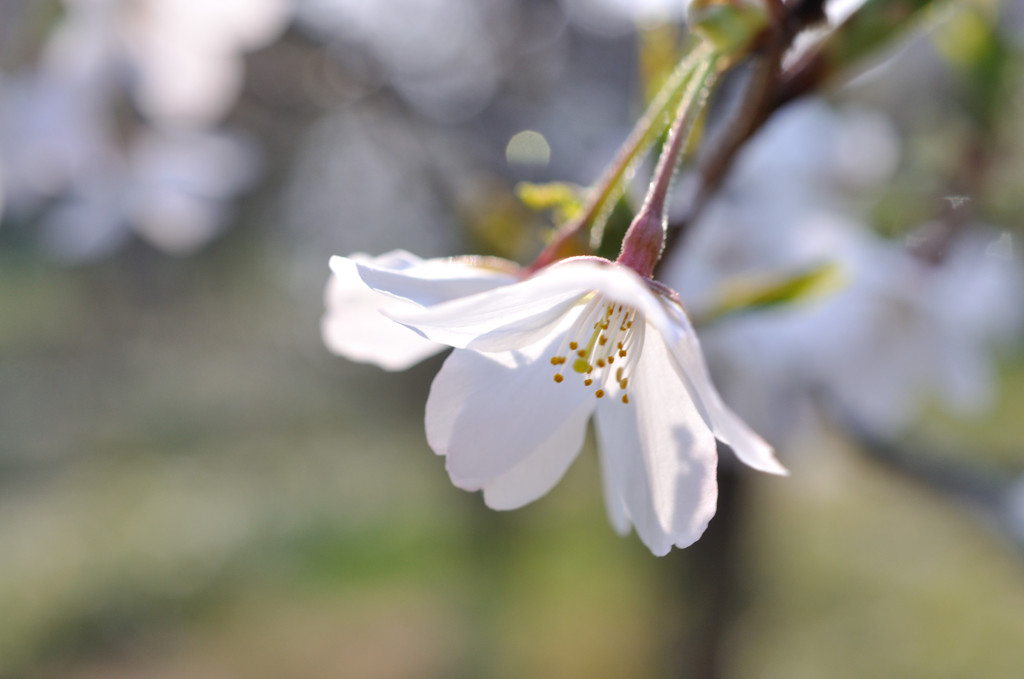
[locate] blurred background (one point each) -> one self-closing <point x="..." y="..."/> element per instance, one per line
<point x="192" y="486"/>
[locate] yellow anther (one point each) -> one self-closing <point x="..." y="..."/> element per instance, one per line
<point x="622" y="353"/>
<point x="602" y="340"/>
<point x="558" y="377"/>
<point x="588" y="382"/>
<point x="611" y="359"/>
<point x="574" y="346"/>
<point x="557" y="360"/>
<point x="625" y="398"/>
<point x="599" y="393"/>
<point x="600" y="363"/>
<point x="624" y="382"/>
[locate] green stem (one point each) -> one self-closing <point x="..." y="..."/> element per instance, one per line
<point x="611" y="184"/>
<point x="692" y="104"/>
<point x="644" y="242"/>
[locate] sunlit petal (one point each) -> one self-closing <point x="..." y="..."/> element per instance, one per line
<point x="543" y="468"/>
<point x="428" y="281"/>
<point x="750" y="448"/>
<point x="660" y="456"/>
<point x="353" y="326"/>
<point x="498" y="320"/>
<point x="519" y="314"/>
<point x="489" y="412"/>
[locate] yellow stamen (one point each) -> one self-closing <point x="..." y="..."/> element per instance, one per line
<point x="610" y="342"/>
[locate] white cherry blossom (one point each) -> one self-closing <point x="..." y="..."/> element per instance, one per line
<point x="535" y="360"/>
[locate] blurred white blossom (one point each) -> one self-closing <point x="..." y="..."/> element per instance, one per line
<point x="187" y="54"/>
<point x="80" y="163"/>
<point x="900" y="328"/>
<point x="449" y="78"/>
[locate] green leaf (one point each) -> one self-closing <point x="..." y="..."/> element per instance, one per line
<point x="742" y="294"/>
<point x="564" y="199"/>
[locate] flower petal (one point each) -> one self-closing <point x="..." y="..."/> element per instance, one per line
<point x="513" y="316"/>
<point x="659" y="455"/>
<point x="353" y="326"/>
<point x="750" y="448"/>
<point x="490" y="412"/>
<point x="542" y="469"/>
<point x="430" y="281"/>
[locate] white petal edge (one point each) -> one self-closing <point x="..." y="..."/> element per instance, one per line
<point x="353" y="327"/>
<point x="428" y="281"/>
<point x="515" y="315"/>
<point x="748" y="446"/>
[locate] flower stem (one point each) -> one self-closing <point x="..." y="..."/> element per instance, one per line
<point x="643" y="242"/>
<point x="611" y="184"/>
<point x="679" y="135"/>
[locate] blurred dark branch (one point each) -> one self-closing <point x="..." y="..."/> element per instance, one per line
<point x="719" y="575"/>
<point x="771" y="85"/>
<point x="708" y="580"/>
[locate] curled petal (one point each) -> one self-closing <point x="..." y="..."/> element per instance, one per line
<point x="515" y="315"/>
<point x="499" y="320"/>
<point x="430" y="281"/>
<point x="353" y="326"/>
